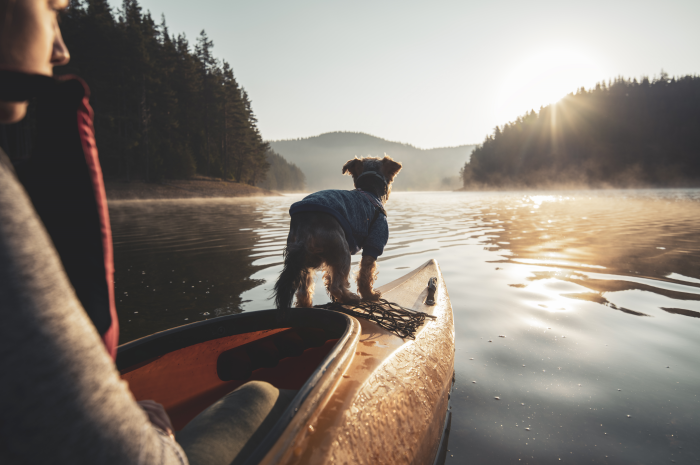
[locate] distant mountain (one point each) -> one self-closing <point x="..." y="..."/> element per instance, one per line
<point x="321" y="158"/>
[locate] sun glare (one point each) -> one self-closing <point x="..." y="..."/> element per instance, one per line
<point x="544" y="78"/>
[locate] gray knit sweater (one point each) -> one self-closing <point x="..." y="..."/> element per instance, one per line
<point x="61" y="398"/>
<point x="360" y="214"/>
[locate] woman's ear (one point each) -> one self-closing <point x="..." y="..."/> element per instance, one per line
<point x="390" y="168"/>
<point x="353" y="167"/>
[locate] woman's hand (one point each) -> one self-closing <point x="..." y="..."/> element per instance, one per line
<point x="157" y="415"/>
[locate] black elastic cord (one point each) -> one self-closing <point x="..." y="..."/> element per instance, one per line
<point x="399" y="320"/>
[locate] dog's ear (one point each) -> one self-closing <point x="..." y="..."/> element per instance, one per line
<point x="354" y="167"/>
<point x="390" y="168"/>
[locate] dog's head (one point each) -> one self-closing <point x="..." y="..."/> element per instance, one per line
<point x="373" y="174"/>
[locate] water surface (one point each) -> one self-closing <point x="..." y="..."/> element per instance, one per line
<point x="597" y="294"/>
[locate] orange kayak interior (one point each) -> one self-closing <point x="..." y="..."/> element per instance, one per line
<point x="189" y="368"/>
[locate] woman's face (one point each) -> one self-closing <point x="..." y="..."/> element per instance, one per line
<point x="30" y="42"/>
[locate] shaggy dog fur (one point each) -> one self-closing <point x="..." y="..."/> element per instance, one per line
<point x="316" y="240"/>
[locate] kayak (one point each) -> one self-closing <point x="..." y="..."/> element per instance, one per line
<point x="362" y="393"/>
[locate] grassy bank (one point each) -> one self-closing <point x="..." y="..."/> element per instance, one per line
<point x="198" y="187"/>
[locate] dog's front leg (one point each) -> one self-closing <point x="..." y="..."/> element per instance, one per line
<point x="366" y="278"/>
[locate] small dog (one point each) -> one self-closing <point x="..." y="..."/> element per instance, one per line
<point x="328" y="226"/>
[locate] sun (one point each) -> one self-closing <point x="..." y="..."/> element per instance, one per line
<point x="544" y="78"/>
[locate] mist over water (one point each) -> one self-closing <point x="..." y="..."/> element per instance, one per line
<point x="596" y="292"/>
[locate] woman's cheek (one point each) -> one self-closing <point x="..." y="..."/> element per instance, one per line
<point x="32" y="43"/>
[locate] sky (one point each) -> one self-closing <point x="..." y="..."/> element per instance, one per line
<point x="432" y="73"/>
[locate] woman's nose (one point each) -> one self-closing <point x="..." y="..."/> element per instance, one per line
<point x="59" y="54"/>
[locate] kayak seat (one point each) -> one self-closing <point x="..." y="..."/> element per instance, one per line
<point x="228" y="431"/>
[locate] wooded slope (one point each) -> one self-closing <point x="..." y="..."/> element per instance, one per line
<point x="624" y="134"/>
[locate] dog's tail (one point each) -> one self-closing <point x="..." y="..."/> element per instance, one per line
<point x="292" y="275"/>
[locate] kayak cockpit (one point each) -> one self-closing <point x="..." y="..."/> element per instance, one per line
<point x="189" y="368"/>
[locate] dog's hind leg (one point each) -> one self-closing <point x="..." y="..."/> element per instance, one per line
<point x="337" y="282"/>
<point x="305" y="292"/>
<point x="327" y="277"/>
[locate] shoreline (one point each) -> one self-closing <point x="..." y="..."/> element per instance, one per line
<point x="196" y="188"/>
<point x="578" y="187"/>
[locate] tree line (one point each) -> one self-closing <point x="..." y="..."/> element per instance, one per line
<point x="282" y="175"/>
<point x="625" y="133"/>
<point x="164" y="108"/>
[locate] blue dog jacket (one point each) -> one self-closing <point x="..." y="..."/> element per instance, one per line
<point x="356" y="211"/>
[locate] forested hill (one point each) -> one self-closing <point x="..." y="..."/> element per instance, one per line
<point x="623" y="134"/>
<point x="164" y="108"/>
<point x="282" y="175"/>
<point x="321" y="158"/>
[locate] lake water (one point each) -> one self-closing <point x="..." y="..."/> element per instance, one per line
<point x="597" y="293"/>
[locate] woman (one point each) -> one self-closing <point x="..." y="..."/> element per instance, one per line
<point x="61" y="398"/>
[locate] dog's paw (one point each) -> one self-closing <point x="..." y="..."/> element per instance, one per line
<point x="345" y="297"/>
<point x="372" y="296"/>
<point x="351" y="298"/>
<point x="305" y="303"/>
